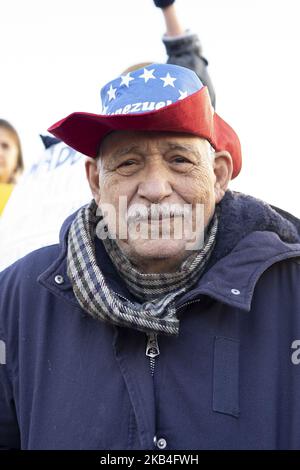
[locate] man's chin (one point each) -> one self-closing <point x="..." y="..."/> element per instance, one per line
<point x="158" y="249"/>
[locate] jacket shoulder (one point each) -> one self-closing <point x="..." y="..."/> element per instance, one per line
<point x="19" y="285"/>
<point x="30" y="265"/>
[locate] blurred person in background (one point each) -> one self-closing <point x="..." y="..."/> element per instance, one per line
<point x="11" y="160"/>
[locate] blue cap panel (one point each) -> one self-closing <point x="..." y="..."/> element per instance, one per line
<point x="148" y="89"/>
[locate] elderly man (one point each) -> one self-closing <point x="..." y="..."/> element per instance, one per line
<point x="117" y="339"/>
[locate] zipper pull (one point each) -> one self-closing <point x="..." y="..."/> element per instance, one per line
<point x="152" y="349"/>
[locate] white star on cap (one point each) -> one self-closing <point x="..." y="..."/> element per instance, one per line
<point x="111" y="93"/>
<point x="104" y="109"/>
<point x="168" y="80"/>
<point x="183" y="94"/>
<point x="147" y="75"/>
<point x="126" y="79"/>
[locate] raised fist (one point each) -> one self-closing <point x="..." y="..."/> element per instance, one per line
<point x="163" y="3"/>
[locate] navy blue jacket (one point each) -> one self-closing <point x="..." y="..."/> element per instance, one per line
<point x="228" y="381"/>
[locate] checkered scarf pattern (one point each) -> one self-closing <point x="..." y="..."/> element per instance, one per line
<point x="155" y="312"/>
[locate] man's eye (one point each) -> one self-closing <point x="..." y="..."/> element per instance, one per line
<point x="180" y="159"/>
<point x="127" y="163"/>
<point x="128" y="167"/>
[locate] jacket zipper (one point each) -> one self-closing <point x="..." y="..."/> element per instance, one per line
<point x="152" y="350"/>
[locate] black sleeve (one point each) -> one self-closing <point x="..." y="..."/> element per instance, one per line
<point x="187" y="52"/>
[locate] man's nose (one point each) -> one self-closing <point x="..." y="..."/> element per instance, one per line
<point x="156" y="185"/>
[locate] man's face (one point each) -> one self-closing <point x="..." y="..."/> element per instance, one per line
<point x="156" y="168"/>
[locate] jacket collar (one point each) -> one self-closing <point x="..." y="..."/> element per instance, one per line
<point x="252" y="236"/>
<point x="241" y="215"/>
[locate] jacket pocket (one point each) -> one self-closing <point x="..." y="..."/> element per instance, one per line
<point x="226" y="376"/>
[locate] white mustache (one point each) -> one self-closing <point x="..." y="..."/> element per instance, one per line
<point x="140" y="212"/>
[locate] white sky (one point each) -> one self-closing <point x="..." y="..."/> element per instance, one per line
<point x="56" y="55"/>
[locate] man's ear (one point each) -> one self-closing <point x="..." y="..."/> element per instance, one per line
<point x="92" y="174"/>
<point x="223" y="170"/>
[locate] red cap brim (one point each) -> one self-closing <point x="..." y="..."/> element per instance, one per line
<point x="192" y="115"/>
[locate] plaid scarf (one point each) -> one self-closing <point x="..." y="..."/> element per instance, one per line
<point x="157" y="313"/>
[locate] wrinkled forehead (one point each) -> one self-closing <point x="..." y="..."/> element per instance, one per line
<point x="119" y="141"/>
